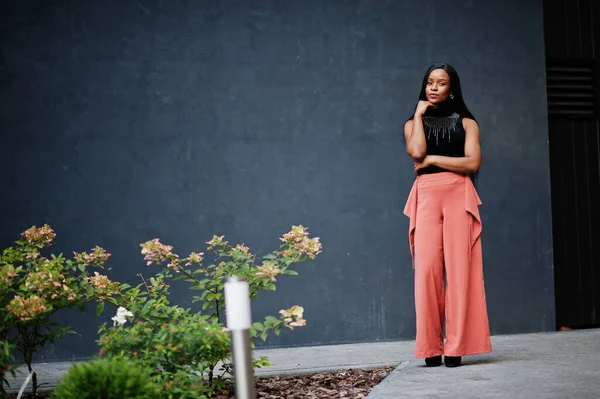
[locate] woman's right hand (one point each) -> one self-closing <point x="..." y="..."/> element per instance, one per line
<point x="423" y="106"/>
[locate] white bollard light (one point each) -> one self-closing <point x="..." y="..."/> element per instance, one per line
<point x="239" y="321"/>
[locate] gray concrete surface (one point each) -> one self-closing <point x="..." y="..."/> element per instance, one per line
<point x="289" y="361"/>
<point x="549" y="365"/>
<point x="552" y="365"/>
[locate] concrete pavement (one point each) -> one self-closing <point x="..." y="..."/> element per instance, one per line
<point x="531" y="366"/>
<point x="288" y="361"/>
<point x="545" y="365"/>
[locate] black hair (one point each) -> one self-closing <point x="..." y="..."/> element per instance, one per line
<point x="456" y="104"/>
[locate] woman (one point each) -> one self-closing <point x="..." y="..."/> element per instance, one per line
<point x="442" y="137"/>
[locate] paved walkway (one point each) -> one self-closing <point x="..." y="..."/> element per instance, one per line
<point x="289" y="361"/>
<point x="549" y="365"/>
<point x="553" y="365"/>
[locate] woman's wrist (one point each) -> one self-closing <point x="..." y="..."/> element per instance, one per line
<point x="431" y="160"/>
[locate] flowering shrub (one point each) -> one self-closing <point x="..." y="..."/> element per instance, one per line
<point x="183" y="348"/>
<point x="33" y="287"/>
<point x="181" y="352"/>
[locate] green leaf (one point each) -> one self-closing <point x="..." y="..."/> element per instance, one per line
<point x="264" y="361"/>
<point x="270" y="287"/>
<point x="258" y="326"/>
<point x="99" y="308"/>
<point x="291" y="272"/>
<point x="264" y="335"/>
<point x="113" y="301"/>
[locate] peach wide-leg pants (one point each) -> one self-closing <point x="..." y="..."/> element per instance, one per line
<point x="444" y="236"/>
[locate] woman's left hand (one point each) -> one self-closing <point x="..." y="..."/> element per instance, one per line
<point x="425" y="162"/>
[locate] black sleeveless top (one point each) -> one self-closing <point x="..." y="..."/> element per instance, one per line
<point x="445" y="135"/>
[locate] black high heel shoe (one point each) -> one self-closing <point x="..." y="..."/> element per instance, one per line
<point x="433" y="361"/>
<point x="452" y="361"/>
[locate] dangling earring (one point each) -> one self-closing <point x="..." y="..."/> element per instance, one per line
<point x="451" y="96"/>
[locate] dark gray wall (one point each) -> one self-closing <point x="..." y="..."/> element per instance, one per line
<point x="125" y="121"/>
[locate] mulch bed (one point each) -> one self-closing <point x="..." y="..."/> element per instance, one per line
<point x="344" y="384"/>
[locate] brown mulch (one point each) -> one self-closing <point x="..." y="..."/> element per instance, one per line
<point x="344" y="384"/>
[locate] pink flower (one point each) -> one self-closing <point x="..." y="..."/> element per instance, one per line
<point x="298" y="243"/>
<point x="242" y="249"/>
<point x="103" y="284"/>
<point x="26" y="308"/>
<point x="97" y="257"/>
<point x="39" y="236"/>
<point x="268" y="269"/>
<point x="293" y="317"/>
<point x="156" y="252"/>
<point x="216" y="242"/>
<point x="194" y="258"/>
<point x="7" y="273"/>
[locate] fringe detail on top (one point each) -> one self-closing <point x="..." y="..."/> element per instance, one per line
<point x="444" y="125"/>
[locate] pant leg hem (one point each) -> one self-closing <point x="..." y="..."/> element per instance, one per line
<point x="429" y="354"/>
<point x="468" y="353"/>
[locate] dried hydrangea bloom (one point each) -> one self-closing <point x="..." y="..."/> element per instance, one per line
<point x="156" y="252"/>
<point x="27" y="308"/>
<point x="97" y="257"/>
<point x="39" y="235"/>
<point x="268" y="269"/>
<point x="293" y="317"/>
